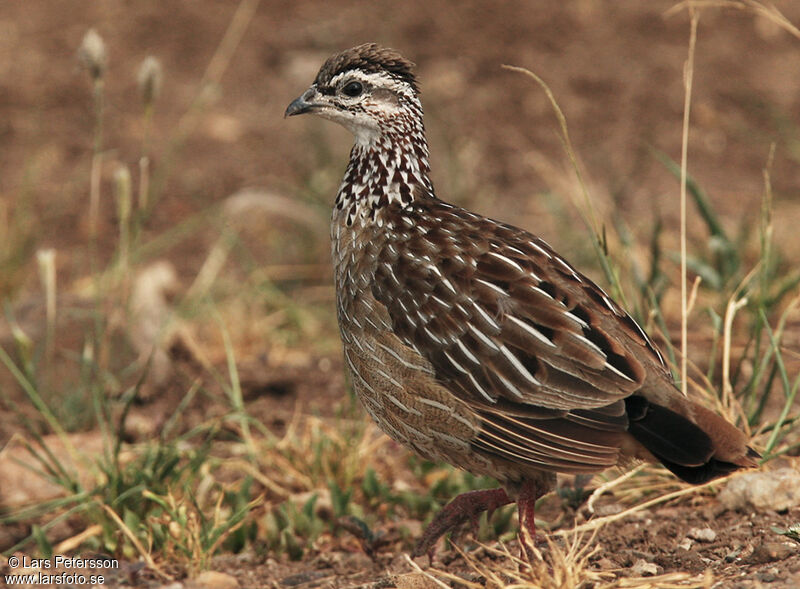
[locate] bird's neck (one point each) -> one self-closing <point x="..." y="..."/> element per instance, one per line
<point x="387" y="167"/>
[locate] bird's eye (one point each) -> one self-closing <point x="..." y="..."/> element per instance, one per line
<point x="353" y="89"/>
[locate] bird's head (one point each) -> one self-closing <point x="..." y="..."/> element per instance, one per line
<point x="368" y="89"/>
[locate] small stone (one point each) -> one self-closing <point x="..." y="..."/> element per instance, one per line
<point x="770" y="552"/>
<point x="640" y="516"/>
<point x="776" y="490"/>
<point x="642" y="568"/>
<point x="640" y="554"/>
<point x="770" y="575"/>
<point x="702" y="534"/>
<point x="412" y="581"/>
<point x="305" y="578"/>
<point x="606" y="564"/>
<point x="685" y="544"/>
<point x="609" y="509"/>
<point x="213" y="580"/>
<point x="733" y="555"/>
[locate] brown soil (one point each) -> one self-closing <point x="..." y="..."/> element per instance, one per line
<point x="616" y="71"/>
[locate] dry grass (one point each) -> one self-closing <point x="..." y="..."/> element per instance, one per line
<point x="562" y="564"/>
<point x="286" y="490"/>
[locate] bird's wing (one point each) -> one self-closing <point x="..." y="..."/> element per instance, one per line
<point x="503" y="318"/>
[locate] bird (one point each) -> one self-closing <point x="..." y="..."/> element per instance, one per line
<point x="471" y="341"/>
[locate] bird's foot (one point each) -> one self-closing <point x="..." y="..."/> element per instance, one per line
<point x="526" y="504"/>
<point x="467" y="506"/>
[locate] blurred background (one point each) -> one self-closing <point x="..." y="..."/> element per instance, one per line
<point x="164" y="257"/>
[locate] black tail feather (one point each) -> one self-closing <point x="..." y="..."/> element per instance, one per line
<point x="677" y="442"/>
<point x="697" y="475"/>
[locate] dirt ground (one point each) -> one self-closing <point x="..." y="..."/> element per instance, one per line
<point x="616" y="70"/>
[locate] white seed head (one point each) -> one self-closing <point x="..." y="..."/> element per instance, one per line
<point x="122" y="190"/>
<point x="46" y="259"/>
<point x="24" y="343"/>
<point x="92" y="54"/>
<point x="150" y="76"/>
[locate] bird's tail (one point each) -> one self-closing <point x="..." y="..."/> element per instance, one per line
<point x="696" y="444"/>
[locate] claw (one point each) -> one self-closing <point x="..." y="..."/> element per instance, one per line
<point x="467" y="506"/>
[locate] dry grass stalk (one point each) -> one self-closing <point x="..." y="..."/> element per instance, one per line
<point x="771" y="12"/>
<point x="46" y="260"/>
<point x="688" y="80"/>
<point x="601" y="521"/>
<point x="75" y="542"/>
<point x="586" y="211"/>
<point x="145" y="554"/>
<point x="607" y="486"/>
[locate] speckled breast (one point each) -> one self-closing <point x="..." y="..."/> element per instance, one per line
<point x="395" y="383"/>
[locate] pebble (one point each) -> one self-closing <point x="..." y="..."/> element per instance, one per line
<point x="776" y="490"/>
<point x="770" y="552"/>
<point x="733" y="555"/>
<point x="642" y="568"/>
<point x="412" y="581"/>
<point x="213" y="580"/>
<point x="702" y="534"/>
<point x="685" y="544"/>
<point x="606" y="564"/>
<point x="608" y="509"/>
<point x="769" y="576"/>
<point x="304" y="578"/>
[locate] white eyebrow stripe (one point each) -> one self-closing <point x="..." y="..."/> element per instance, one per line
<point x="531" y="330"/>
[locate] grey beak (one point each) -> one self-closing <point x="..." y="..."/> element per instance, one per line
<point x="301" y="105"/>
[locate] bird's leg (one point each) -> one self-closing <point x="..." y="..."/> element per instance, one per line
<point x="526" y="504"/>
<point x="467" y="506"/>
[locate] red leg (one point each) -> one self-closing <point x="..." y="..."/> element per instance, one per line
<point x="526" y="504"/>
<point x="467" y="506"/>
